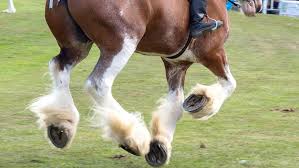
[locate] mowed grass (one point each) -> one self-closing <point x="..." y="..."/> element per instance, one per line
<point x="264" y="58"/>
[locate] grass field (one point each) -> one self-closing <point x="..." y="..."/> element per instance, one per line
<point x="250" y="131"/>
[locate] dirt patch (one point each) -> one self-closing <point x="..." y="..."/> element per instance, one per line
<point x="284" y="110"/>
<point x="36" y="161"/>
<point x="118" y="157"/>
<point x="202" y="146"/>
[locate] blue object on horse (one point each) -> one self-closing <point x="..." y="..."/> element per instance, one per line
<point x="229" y="5"/>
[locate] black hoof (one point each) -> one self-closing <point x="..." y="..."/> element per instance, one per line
<point x="157" y="155"/>
<point x="58" y="136"/>
<point x="194" y="103"/>
<point x="128" y="149"/>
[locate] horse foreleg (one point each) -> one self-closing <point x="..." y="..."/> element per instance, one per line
<point x="205" y="101"/>
<point x="170" y="110"/>
<point x="127" y="129"/>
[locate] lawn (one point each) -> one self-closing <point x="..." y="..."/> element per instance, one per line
<point x="250" y="131"/>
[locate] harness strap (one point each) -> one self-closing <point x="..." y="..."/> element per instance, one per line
<point x="182" y="50"/>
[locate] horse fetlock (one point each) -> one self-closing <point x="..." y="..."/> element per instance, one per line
<point x="205" y="101"/>
<point x="55" y="115"/>
<point x="162" y="136"/>
<point x="127" y="129"/>
<point x="137" y="141"/>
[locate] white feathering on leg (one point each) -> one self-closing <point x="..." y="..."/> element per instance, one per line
<point x="123" y="127"/>
<point x="57" y="108"/>
<point x="165" y="118"/>
<point x="216" y="95"/>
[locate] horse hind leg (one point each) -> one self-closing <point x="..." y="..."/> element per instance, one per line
<point x="56" y="112"/>
<point x="127" y="129"/>
<point x="205" y="101"/>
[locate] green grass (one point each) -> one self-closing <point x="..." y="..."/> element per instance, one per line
<point x="264" y="57"/>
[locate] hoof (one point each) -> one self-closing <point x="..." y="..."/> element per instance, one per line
<point x="157" y="155"/>
<point x="58" y="136"/>
<point x="194" y="103"/>
<point x="128" y="149"/>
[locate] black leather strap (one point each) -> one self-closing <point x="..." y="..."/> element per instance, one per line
<point x="183" y="50"/>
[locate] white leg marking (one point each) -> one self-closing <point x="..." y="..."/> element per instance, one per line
<point x="57" y="108"/>
<point x="117" y="124"/>
<point x="216" y="93"/>
<point x="11" y="8"/>
<point x="168" y="113"/>
<point x="166" y="116"/>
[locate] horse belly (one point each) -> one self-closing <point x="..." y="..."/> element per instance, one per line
<point x="167" y="30"/>
<point x="159" y="45"/>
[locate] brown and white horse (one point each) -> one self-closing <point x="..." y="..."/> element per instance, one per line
<point x="120" y="28"/>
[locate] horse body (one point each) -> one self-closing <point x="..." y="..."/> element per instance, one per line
<point x="158" y="30"/>
<point x="119" y="28"/>
<point x="161" y="26"/>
